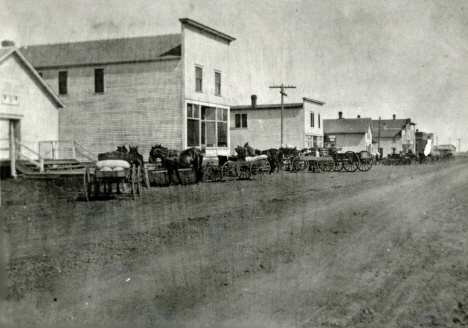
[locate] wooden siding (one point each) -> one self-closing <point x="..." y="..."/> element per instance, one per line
<point x="212" y="54"/>
<point x="141" y="105"/>
<point x="264" y="128"/>
<point x="37" y="113"/>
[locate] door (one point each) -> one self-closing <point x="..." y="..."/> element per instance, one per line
<point x="4" y="139"/>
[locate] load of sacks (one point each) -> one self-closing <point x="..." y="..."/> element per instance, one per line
<point x="253" y="158"/>
<point x="112" y="165"/>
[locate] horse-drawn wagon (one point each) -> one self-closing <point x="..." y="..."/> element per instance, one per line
<point x="231" y="168"/>
<point x="120" y="168"/>
<point x="327" y="159"/>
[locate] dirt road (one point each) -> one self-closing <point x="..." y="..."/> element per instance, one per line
<point x="386" y="248"/>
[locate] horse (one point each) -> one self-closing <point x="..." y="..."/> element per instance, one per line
<point x="135" y="157"/>
<point x="273" y="159"/>
<point x="122" y="149"/>
<point x="250" y="151"/>
<point x="174" y="160"/>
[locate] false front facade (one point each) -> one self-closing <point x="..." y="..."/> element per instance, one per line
<point x="168" y="89"/>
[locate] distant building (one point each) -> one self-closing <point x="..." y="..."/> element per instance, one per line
<point x="167" y="89"/>
<point x="422" y="139"/>
<point x="350" y="134"/>
<point x="260" y="125"/>
<point x="443" y="150"/>
<point x="396" y="135"/>
<point x="29" y="109"/>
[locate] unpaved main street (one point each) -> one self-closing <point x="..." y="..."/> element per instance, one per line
<point x="385" y="248"/>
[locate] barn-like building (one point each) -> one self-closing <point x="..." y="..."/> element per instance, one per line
<point x="166" y="89"/>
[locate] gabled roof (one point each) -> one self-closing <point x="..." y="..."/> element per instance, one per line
<point x="347" y="125"/>
<point x="270" y="106"/>
<point x="390" y="128"/>
<point x="111" y="51"/>
<point x="6" y="52"/>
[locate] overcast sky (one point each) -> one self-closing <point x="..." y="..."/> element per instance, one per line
<point x="367" y="57"/>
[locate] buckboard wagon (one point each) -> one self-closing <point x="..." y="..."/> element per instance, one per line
<point x="231" y="168"/>
<point x="112" y="168"/>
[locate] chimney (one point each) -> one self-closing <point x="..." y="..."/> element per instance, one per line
<point x="394" y="116"/>
<point x="359" y="116"/>
<point x="340" y="115"/>
<point x="254" y="101"/>
<point x="7" y="43"/>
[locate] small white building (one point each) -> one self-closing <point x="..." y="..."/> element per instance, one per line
<point x="260" y="125"/>
<point x="28" y="107"/>
<point x="350" y="134"/>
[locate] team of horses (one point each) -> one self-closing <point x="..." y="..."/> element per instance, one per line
<point x="192" y="158"/>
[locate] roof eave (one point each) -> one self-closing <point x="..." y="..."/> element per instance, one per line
<point x="191" y="22"/>
<point x="165" y="58"/>
<point x="317" y="102"/>
<point x="36" y="75"/>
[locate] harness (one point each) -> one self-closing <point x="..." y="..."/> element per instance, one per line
<point x="169" y="155"/>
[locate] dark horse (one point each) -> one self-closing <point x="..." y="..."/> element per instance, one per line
<point x="135" y="157"/>
<point x="174" y="160"/>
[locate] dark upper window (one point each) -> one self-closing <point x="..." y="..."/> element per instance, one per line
<point x="63" y="83"/>
<point x="99" y="80"/>
<point x="198" y="79"/>
<point x="312" y="120"/>
<point x="241" y="120"/>
<point x="217" y="84"/>
<point x="319" y="121"/>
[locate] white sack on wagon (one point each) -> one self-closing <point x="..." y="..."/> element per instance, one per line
<point x="113" y="163"/>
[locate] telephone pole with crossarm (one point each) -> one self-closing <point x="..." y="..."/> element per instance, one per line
<point x="282" y="87"/>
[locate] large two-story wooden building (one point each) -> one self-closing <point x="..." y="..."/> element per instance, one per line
<point x="167" y="89"/>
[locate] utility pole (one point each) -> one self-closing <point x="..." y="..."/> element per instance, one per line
<point x="282" y="87"/>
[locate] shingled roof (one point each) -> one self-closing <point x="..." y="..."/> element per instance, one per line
<point x="347" y="125"/>
<point x="390" y="128"/>
<point x="110" y="51"/>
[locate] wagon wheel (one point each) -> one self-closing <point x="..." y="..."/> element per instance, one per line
<point x="230" y="171"/>
<point x="87" y="184"/>
<point x="214" y="173"/>
<point x="339" y="165"/>
<point x="365" y="163"/>
<point x="385" y="161"/>
<point x="350" y="161"/>
<point x="260" y="168"/>
<point x="326" y="164"/>
<point x="298" y="164"/>
<point x="244" y="173"/>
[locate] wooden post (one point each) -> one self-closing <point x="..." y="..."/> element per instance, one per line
<point x="41" y="162"/>
<point x="74" y="150"/>
<point x="12" y="151"/>
<point x="147" y="182"/>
